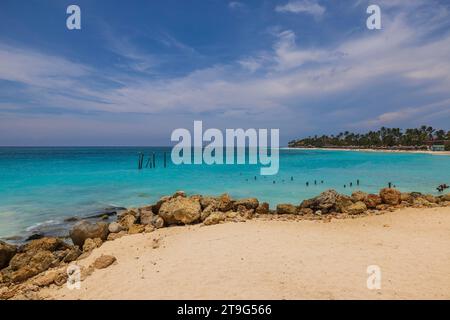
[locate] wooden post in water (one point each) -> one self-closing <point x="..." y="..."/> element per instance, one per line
<point x="140" y="160"/>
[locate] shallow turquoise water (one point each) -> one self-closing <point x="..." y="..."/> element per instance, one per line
<point x="43" y="185"/>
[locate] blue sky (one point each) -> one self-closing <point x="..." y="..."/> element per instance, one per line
<point x="139" y="69"/>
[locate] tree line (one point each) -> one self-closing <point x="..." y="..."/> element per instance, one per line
<point x="416" y="138"/>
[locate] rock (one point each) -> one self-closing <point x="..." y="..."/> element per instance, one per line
<point x="158" y="222"/>
<point x="114" y="236"/>
<point x="214" y="218"/>
<point x="179" y="194"/>
<point x="358" y="196"/>
<point x="325" y="202"/>
<point x="306" y="203"/>
<point x="244" y="212"/>
<point x="208" y="210"/>
<point x="357" y="208"/>
<point x="180" y="210"/>
<point x="286" y="208"/>
<point x="430" y="198"/>
<point x="91" y="244"/>
<point x="342" y="204"/>
<point x="372" y="201"/>
<point x="104" y="261"/>
<point x="249" y="203"/>
<point x="45" y="279"/>
<point x="147" y="217"/>
<point x="390" y="196"/>
<point x="114" y="227"/>
<point x="318" y="212"/>
<point x="47" y="243"/>
<point x="34" y="236"/>
<point x="149" y="228"/>
<point x="136" y="228"/>
<point x="84" y="230"/>
<point x="405" y="196"/>
<point x="306" y="211"/>
<point x="72" y="254"/>
<point x="445" y="197"/>
<point x="421" y="202"/>
<point x="7" y="251"/>
<point x="225" y="203"/>
<point x="28" y="264"/>
<point x="207" y="201"/>
<point x="127" y="221"/>
<point x="382" y="207"/>
<point x="158" y="205"/>
<point x="61" y="278"/>
<point x="263" y="208"/>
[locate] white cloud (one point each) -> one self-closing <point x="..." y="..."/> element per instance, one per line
<point x="311" y="7"/>
<point x="235" y="5"/>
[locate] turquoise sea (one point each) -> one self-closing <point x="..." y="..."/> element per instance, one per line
<point x="43" y="186"/>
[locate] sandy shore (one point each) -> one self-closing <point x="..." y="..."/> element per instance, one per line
<point x="441" y="153"/>
<point x="278" y="260"/>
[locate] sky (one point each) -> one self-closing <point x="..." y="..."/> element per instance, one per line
<point x="137" y="70"/>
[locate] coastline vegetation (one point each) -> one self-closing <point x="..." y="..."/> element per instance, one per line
<point x="385" y="138"/>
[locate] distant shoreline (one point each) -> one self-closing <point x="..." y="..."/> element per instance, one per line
<point x="442" y="153"/>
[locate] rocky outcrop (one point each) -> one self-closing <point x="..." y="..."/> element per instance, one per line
<point x="84" y="230"/>
<point x="390" y="196"/>
<point x="7" y="251"/>
<point x="180" y="210"/>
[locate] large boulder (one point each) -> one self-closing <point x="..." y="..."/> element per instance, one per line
<point x="84" y="230"/>
<point x="7" y="251"/>
<point x="372" y="201"/>
<point x="286" y="208"/>
<point x="358" y="196"/>
<point x="325" y="202"/>
<point x="180" y="210"/>
<point x="249" y="203"/>
<point x="390" y="196"/>
<point x="445" y="197"/>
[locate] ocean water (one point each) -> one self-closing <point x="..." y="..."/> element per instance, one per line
<point x="43" y="186"/>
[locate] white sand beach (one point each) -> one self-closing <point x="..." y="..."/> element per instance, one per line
<point x="278" y="260"/>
